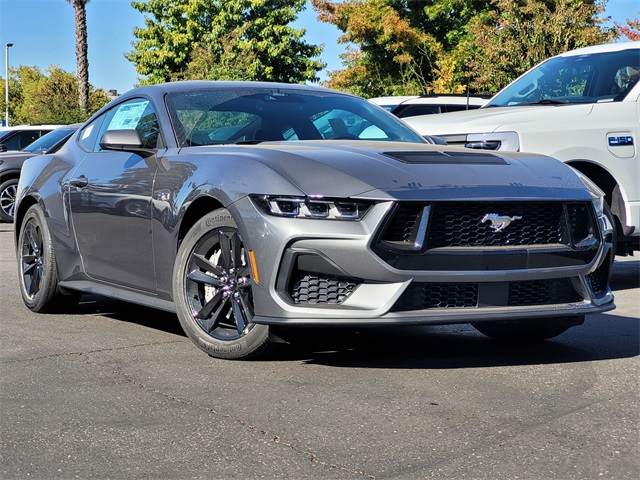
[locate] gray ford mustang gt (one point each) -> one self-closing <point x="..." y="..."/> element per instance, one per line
<point x="248" y="208"/>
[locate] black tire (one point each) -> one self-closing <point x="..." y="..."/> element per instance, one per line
<point x="212" y="290"/>
<point x="37" y="270"/>
<point x="8" y="192"/>
<point x="527" y="330"/>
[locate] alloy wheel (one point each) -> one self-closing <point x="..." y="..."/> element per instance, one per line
<point x="218" y="285"/>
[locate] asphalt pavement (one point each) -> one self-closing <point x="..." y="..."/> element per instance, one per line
<point x="115" y="391"/>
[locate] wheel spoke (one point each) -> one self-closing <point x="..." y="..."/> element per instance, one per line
<point x="35" y="280"/>
<point x="209" y="307"/>
<point x="201" y="277"/>
<point x="238" y="316"/>
<point x="32" y="237"/>
<point x="236" y="247"/>
<point x="205" y="264"/>
<point x="211" y="323"/>
<point x="29" y="259"/>
<point x="225" y="249"/>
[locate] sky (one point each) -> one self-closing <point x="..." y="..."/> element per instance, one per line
<point x="43" y="34"/>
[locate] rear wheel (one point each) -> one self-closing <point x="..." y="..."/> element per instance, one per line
<point x="8" y="192"/>
<point x="37" y="266"/>
<point x="527" y="330"/>
<point x="212" y="290"/>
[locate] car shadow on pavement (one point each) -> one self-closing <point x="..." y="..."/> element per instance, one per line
<point x="460" y="346"/>
<point x="130" y="313"/>
<point x="601" y="337"/>
<point x="626" y="275"/>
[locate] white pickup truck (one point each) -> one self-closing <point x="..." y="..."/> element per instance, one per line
<point x="581" y="107"/>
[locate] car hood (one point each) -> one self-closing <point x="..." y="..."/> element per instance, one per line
<point x="409" y="171"/>
<point x="490" y="119"/>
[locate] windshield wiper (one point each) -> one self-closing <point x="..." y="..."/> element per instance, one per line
<point x="546" y="101"/>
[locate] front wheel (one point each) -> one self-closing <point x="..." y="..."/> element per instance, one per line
<point x="527" y="330"/>
<point x="212" y="290"/>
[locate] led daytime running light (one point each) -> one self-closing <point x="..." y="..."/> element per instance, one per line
<point x="307" y="207"/>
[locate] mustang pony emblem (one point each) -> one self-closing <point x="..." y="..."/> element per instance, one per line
<point x="498" y="222"/>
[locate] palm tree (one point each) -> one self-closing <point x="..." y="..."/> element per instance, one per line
<point x="82" y="48"/>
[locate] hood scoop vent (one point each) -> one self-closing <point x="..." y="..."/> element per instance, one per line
<point x="447" y="158"/>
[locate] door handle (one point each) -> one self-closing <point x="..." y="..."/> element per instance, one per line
<point x="79" y="182"/>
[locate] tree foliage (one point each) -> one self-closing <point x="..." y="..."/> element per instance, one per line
<point x="417" y="47"/>
<point x="631" y="30"/>
<point x="515" y="36"/>
<point x="222" y="40"/>
<point x="48" y="97"/>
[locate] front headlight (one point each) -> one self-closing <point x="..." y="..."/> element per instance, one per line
<point x="311" y="207"/>
<point x="597" y="195"/>
<point x="507" y="141"/>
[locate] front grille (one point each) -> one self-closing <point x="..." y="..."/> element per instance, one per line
<point x="308" y="288"/>
<point x="424" y="296"/>
<point x="468" y="224"/>
<point x="420" y="296"/>
<point x="403" y="227"/>
<point x="459" y="224"/>
<point x="542" y="292"/>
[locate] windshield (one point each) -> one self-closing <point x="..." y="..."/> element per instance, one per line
<point x="257" y="114"/>
<point x="47" y="141"/>
<point x="598" y="77"/>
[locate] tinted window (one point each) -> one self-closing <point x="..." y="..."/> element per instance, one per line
<point x="47" y="141"/>
<point x="89" y="135"/>
<point x="136" y="114"/>
<point x="21" y="139"/>
<point x="598" y="77"/>
<point x="219" y="116"/>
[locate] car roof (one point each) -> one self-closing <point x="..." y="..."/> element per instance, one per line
<point x="187" y="85"/>
<point x="439" y="99"/>
<point x="606" y="48"/>
<point x="32" y="127"/>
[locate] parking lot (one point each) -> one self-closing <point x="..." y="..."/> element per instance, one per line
<point x="117" y="391"/>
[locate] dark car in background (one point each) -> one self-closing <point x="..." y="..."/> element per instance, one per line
<point x="11" y="164"/>
<point x="251" y="208"/>
<point x="18" y="137"/>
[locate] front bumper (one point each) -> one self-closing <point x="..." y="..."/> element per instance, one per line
<point x="331" y="272"/>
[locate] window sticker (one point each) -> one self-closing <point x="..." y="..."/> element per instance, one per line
<point x="128" y="116"/>
<point x="87" y="132"/>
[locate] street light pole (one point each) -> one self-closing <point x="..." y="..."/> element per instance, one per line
<point x="6" y="82"/>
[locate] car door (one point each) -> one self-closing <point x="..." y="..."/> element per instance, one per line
<point x="110" y="199"/>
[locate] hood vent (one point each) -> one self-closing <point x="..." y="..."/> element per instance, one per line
<point x="447" y="158"/>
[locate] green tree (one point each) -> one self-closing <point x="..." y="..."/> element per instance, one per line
<point x="516" y="35"/>
<point x="416" y="47"/>
<point x="82" y="51"/>
<point x="49" y="97"/>
<point x="395" y="45"/>
<point x="222" y="39"/>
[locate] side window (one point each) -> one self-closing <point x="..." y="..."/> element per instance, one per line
<point x="135" y="114"/>
<point x="22" y="139"/>
<point x="88" y="137"/>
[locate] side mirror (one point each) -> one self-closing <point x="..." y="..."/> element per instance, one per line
<point x="125" y="141"/>
<point x="3" y="147"/>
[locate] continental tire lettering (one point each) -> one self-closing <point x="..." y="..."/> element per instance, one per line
<point x="221" y="348"/>
<point x="218" y="218"/>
